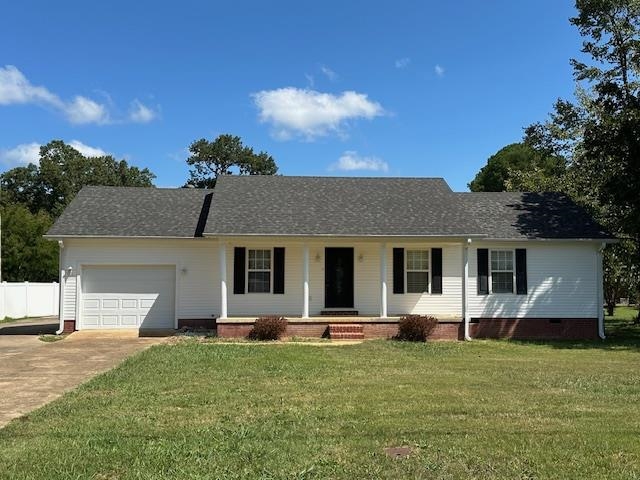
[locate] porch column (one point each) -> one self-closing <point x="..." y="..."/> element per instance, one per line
<point x="305" y="281"/>
<point x="600" y="291"/>
<point x="383" y="280"/>
<point x="465" y="289"/>
<point x="223" y="280"/>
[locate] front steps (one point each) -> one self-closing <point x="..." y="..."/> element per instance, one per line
<point x="346" y="331"/>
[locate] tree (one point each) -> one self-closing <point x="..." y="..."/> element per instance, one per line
<point x="222" y="156"/>
<point x="599" y="134"/>
<point x="33" y="197"/>
<point x="517" y="157"/>
<point x="26" y="256"/>
<point x="62" y="172"/>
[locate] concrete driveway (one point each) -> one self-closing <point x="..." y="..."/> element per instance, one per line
<point x="33" y="373"/>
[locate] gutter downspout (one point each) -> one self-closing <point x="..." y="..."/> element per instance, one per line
<point x="465" y="290"/>
<point x="600" y="289"/>
<point x="61" y="289"/>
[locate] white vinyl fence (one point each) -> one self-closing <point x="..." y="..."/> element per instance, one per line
<point x="27" y="299"/>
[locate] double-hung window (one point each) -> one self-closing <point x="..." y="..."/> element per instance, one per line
<point x="502" y="271"/>
<point x="417" y="271"/>
<point x="259" y="271"/>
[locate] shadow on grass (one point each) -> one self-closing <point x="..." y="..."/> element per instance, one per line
<point x="621" y="334"/>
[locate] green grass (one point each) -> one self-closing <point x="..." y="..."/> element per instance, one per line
<point x="50" y="338"/>
<point x="481" y="409"/>
<point x="10" y="320"/>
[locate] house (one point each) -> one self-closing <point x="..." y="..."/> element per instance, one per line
<point x="325" y="252"/>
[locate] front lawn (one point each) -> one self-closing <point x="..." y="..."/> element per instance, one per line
<point x="483" y="409"/>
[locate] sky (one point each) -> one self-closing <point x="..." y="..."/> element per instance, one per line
<point x="340" y="88"/>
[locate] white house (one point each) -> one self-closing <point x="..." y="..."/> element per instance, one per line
<point x="323" y="251"/>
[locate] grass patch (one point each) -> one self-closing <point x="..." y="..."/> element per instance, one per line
<point x="11" y="320"/>
<point x="47" y="338"/>
<point x="481" y="409"/>
<point x="621" y="327"/>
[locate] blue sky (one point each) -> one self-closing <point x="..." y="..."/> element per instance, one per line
<point x="328" y="88"/>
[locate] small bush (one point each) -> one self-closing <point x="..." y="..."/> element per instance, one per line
<point x="416" y="328"/>
<point x="268" y="328"/>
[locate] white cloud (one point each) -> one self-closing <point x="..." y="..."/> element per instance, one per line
<point x="308" y="113"/>
<point x="87" y="150"/>
<point x="26" y="153"/>
<point x="330" y="74"/>
<point x="403" y="62"/>
<point x="439" y="70"/>
<point x="310" y="80"/>
<point x="15" y="88"/>
<point x="350" y="161"/>
<point x="82" y="110"/>
<point x="140" y="113"/>
<point x="21" y="155"/>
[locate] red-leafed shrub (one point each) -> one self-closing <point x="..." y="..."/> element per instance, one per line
<point x="416" y="328"/>
<point x="268" y="328"/>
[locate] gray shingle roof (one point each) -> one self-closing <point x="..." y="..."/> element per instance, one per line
<point x="517" y="215"/>
<point x="134" y="212"/>
<point x="280" y="205"/>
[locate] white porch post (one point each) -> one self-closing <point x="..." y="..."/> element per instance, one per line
<point x="305" y="282"/>
<point x="223" y="280"/>
<point x="600" y="292"/>
<point x="383" y="280"/>
<point x="465" y="289"/>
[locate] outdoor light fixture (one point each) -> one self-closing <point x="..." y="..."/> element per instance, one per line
<point x="69" y="271"/>
<point x="360" y="258"/>
<point x="184" y="270"/>
<point x="317" y="257"/>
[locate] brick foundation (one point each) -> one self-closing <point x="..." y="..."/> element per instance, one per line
<point x="207" y="323"/>
<point x="516" y="328"/>
<point x="535" y="328"/>
<point x="69" y="326"/>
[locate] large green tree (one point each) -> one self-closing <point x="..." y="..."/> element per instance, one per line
<point x="225" y="155"/>
<point x="514" y="158"/>
<point x="61" y="173"/>
<point x="598" y="134"/>
<point x="32" y="197"/>
<point x="26" y="255"/>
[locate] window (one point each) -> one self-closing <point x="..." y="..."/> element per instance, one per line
<point x="502" y="271"/>
<point x="259" y="271"/>
<point x="417" y="271"/>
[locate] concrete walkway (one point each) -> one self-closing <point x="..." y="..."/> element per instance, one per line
<point x="33" y="373"/>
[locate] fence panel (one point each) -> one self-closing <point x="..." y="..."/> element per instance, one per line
<point x="18" y="300"/>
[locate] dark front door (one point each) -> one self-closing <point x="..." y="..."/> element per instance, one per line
<point x="338" y="278"/>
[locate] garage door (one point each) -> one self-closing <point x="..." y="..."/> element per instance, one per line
<point x="128" y="297"/>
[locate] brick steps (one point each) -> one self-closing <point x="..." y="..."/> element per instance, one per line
<point x="346" y="331"/>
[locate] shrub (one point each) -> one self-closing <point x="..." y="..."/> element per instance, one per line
<point x="416" y="328"/>
<point x="268" y="328"/>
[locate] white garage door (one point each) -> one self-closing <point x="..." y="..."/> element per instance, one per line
<point x="128" y="297"/>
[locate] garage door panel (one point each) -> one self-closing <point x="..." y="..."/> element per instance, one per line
<point x="128" y="297"/>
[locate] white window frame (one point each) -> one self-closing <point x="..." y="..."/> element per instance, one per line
<point x="406" y="270"/>
<point x="270" y="250"/>
<point x="513" y="271"/>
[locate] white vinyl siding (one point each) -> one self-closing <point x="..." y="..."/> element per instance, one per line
<point x="195" y="262"/>
<point x="561" y="281"/>
<point x="447" y="305"/>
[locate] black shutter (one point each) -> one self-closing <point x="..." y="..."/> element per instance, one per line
<point x="436" y="270"/>
<point x="398" y="270"/>
<point x="521" y="271"/>
<point x="239" y="265"/>
<point x="278" y="270"/>
<point x="483" y="271"/>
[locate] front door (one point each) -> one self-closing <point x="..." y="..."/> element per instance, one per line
<point x="338" y="278"/>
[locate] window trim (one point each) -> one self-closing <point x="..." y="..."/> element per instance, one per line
<point x="270" y="250"/>
<point x="513" y="271"/>
<point x="406" y="270"/>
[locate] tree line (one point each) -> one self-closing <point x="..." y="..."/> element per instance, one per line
<point x="32" y="197"/>
<point x="589" y="147"/>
